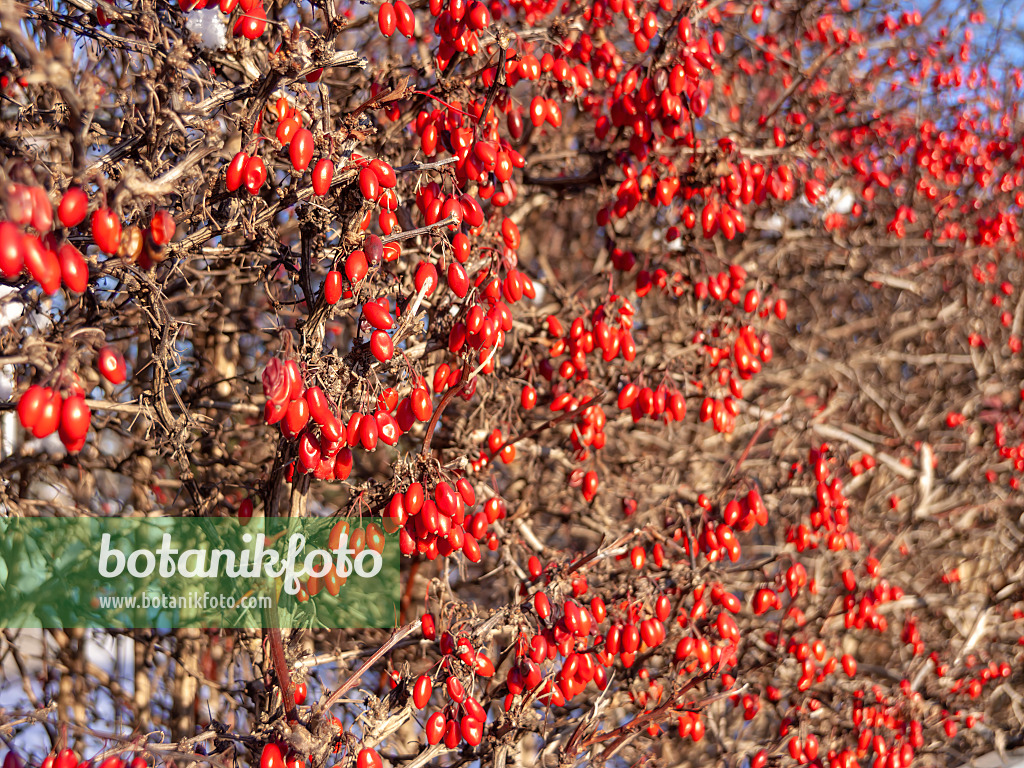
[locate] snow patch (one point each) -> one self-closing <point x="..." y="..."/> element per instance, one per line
<point x="209" y="25"/>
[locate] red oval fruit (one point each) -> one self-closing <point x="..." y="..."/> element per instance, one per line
<point x="435" y="728"/>
<point x="471" y="210"/>
<point x="386" y="19"/>
<point x="381" y="346"/>
<point x="42" y="210"/>
<point x="368" y="433"/>
<point x="106" y="230"/>
<point x="161" y="227"/>
<point x="73" y="269"/>
<point x="356" y="266"/>
<point x="444" y="497"/>
<point x="378" y="316"/>
<point x="405" y="21"/>
<point x="319" y="408"/>
<point x="384" y="172"/>
<point x="479" y="16"/>
<point x="472" y="730"/>
<point x="301" y="149"/>
<point x="465" y="489"/>
<point x="111" y="365"/>
<point x="332" y="287"/>
<point x="12" y="249"/>
<point x="369" y="185"/>
<point x="428" y="139"/>
<point x="413" y="504"/>
<point x="451" y="735"/>
<point x="528" y="398"/>
<point x="294" y="378"/>
<point x="542" y="605"/>
<point x="286" y="130"/>
<point x="253" y="23"/>
<point x="73" y="208"/>
<point x="236" y="171"/>
<point x="66" y="758"/>
<point x="455" y="689"/>
<point x="255" y="174"/>
<point x="74" y="417"/>
<point x="352" y="429"/>
<point x="323" y="175"/>
<point x="42" y="264"/>
<point x="421" y="691"/>
<point x="49" y="414"/>
<point x="308" y="451"/>
<point x="453" y="207"/>
<point x="458" y="280"/>
<point x="295" y="418"/>
<point x="271" y="757"/>
<point x="30" y="405"/>
<point x="368" y="758"/>
<point x="422" y="407"/>
<point x="510" y="233"/>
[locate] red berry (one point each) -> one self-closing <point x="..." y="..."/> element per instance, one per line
<point x="323" y="174"/>
<point x="106" y="230"/>
<point x="49" y="414"/>
<point x="12" y="249"/>
<point x="458" y="280"/>
<point x="252" y="23"/>
<point x="301" y="149"/>
<point x="332" y="287"/>
<point x="286" y="130"/>
<point x="74" y="206"/>
<point x="378" y="315"/>
<point x="271" y="757"/>
<point x="405" y="21"/>
<point x="161" y="228"/>
<point x="381" y="345"/>
<point x="435" y="728"/>
<point x="384" y="172"/>
<point x="66" y="759"/>
<point x="422" y="407"/>
<point x="236" y="171"/>
<point x="74" y="417"/>
<point x="31" y="404"/>
<point x="356" y="266"/>
<point x="426" y="277"/>
<point x="472" y="730"/>
<point x="421" y="691"/>
<point x="255" y="174"/>
<point x="42" y="264"/>
<point x="111" y="365"/>
<point x="368" y="433"/>
<point x="73" y="269"/>
<point x="369" y="185"/>
<point x="386" y="19"/>
<point x="368" y="758"/>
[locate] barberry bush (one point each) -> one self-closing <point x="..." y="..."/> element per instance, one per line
<point x="679" y="343"/>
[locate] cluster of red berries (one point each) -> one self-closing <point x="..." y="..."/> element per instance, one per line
<point x="443" y="522"/>
<point x="463" y="718"/>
